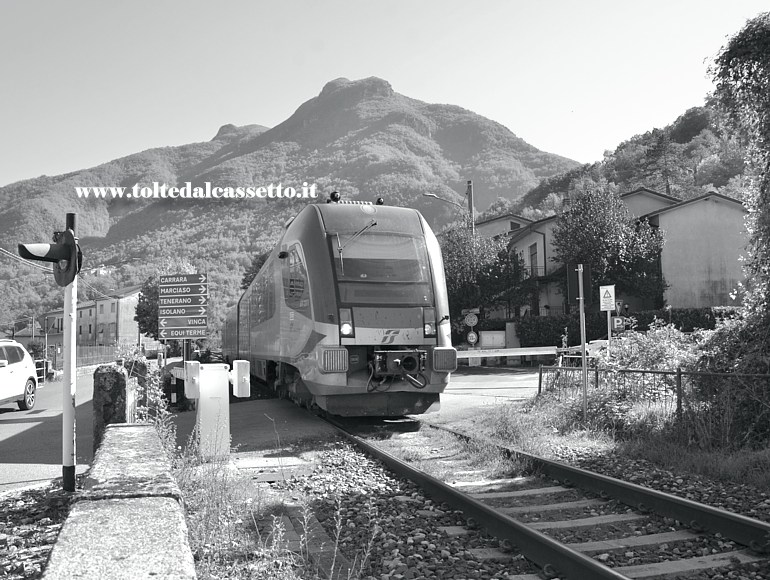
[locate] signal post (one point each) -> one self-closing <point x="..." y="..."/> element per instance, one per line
<point x="66" y="257"/>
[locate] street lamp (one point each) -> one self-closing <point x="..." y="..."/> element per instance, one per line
<point x="445" y="200"/>
<point x="469" y="193"/>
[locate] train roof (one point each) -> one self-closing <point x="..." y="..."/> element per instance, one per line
<point x="341" y="217"/>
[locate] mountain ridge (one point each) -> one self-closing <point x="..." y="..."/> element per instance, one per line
<point x="358" y="137"/>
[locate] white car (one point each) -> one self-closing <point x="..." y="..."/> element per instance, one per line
<point x="18" y="376"/>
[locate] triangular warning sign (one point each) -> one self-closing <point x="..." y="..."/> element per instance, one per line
<point x="607" y="294"/>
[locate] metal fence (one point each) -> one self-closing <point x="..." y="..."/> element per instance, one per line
<point x="710" y="409"/>
<point x="88" y="355"/>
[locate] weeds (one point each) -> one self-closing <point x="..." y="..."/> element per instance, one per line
<point x="236" y="527"/>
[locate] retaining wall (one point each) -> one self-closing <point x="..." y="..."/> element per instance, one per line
<point x="129" y="521"/>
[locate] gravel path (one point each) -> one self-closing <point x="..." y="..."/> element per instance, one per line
<point x="30" y="521"/>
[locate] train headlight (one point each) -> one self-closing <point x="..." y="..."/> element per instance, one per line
<point x="347" y="329"/>
<point x="429" y="322"/>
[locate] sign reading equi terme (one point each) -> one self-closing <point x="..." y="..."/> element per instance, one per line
<point x="183" y="306"/>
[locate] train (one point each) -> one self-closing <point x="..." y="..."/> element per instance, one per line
<point x="349" y="313"/>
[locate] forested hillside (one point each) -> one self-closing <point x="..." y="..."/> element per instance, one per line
<point x="358" y="137"/>
<point x="695" y="154"/>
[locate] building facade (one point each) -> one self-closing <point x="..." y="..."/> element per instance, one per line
<point x="704" y="239"/>
<point x="105" y="321"/>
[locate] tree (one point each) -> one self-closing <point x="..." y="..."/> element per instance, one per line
<point x="742" y="75"/>
<point x="597" y="229"/>
<point x="480" y="272"/>
<point x="256" y="263"/>
<point x="147" y="308"/>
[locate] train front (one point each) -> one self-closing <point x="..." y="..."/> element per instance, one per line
<point x="392" y="314"/>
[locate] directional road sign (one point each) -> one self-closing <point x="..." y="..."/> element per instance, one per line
<point x="176" y="279"/>
<point x="185" y="310"/>
<point x="180" y="333"/>
<point x="183" y="322"/>
<point x="183" y="300"/>
<point x="184" y="290"/>
<point x="183" y="306"/>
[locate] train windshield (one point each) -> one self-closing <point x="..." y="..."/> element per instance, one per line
<point x="382" y="268"/>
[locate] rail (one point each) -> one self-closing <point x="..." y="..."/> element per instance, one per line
<point x="538" y="547"/>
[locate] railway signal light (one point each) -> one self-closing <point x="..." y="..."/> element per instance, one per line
<point x="64" y="253"/>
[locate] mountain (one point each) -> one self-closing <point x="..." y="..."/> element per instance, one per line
<point x="357" y="137"/>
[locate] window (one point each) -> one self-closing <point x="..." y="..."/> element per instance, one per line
<point x="112" y="307"/>
<point x="101" y="308"/>
<point x="90" y="313"/>
<point x="14" y="354"/>
<point x="515" y="226"/>
<point x="295" y="282"/>
<point x="89" y="329"/>
<point x="377" y="268"/>
<point x="533" y="259"/>
<point x="80" y="314"/>
<point x="80" y="329"/>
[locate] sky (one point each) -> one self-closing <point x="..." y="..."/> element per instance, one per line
<point x="84" y="82"/>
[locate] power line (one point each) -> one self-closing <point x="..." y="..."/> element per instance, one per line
<point x="5" y="252"/>
<point x="82" y="281"/>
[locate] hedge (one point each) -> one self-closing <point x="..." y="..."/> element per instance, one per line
<point x="548" y="330"/>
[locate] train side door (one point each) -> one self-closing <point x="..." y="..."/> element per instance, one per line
<point x="296" y="323"/>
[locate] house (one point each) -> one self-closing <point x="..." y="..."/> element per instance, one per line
<point x="704" y="239"/>
<point x="496" y="226"/>
<point x="33" y="331"/>
<point x="104" y="321"/>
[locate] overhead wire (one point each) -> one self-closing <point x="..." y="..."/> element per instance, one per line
<point x="5" y="252"/>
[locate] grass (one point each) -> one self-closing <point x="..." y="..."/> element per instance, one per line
<point x="635" y="429"/>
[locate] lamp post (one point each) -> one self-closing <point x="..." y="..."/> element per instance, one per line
<point x="462" y="207"/>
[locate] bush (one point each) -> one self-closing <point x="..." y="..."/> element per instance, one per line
<point x="687" y="319"/>
<point x="548" y="330"/>
<point x="36" y="349"/>
<point x="662" y="347"/>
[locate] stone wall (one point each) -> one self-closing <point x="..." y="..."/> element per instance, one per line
<point x="129" y="521"/>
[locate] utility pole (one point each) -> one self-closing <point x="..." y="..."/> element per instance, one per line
<point x="469" y="193"/>
<point x="581" y="300"/>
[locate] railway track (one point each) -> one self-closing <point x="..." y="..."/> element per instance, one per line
<point x="543" y="515"/>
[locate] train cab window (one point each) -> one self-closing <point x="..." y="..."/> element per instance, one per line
<point x="295" y="290"/>
<point x="383" y="268"/>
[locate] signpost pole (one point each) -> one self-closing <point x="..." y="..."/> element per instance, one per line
<point x="69" y="387"/>
<point x="583" y="341"/>
<point x="609" y="331"/>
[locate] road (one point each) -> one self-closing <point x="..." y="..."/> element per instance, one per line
<point x="30" y="441"/>
<point x="478" y="387"/>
